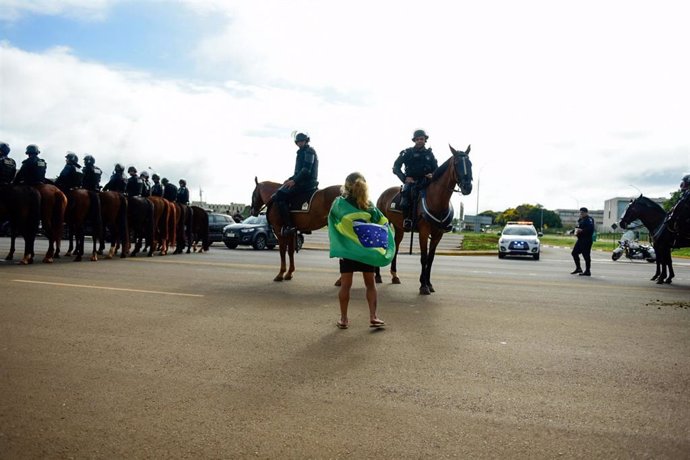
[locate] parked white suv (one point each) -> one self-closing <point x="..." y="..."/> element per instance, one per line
<point x="519" y="239"/>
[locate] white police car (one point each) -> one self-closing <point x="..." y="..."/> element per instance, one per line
<point x="519" y="239"/>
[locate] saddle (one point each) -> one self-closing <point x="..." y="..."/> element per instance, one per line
<point x="301" y="201"/>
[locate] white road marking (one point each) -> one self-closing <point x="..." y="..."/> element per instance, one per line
<point x="109" y="288"/>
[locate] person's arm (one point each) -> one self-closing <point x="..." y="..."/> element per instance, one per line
<point x="307" y="166"/>
<point x="397" y="166"/>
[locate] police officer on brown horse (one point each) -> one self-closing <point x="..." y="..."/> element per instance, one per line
<point x="92" y="174"/>
<point x="419" y="163"/>
<point x="8" y="167"/>
<point x="70" y="177"/>
<point x="303" y="181"/>
<point x="33" y="170"/>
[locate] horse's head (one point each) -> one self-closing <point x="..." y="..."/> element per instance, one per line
<point x="463" y="169"/>
<point x="257" y="201"/>
<point x="630" y="214"/>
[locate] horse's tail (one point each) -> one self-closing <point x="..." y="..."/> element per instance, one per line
<point x="95" y="214"/>
<point x="122" y="223"/>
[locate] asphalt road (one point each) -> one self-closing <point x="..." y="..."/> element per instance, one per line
<point x="204" y="356"/>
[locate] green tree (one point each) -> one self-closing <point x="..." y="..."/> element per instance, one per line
<point x="671" y="202"/>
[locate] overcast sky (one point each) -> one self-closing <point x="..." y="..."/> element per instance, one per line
<point x="565" y="104"/>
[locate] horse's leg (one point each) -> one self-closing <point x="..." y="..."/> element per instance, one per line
<point x="13" y="237"/>
<point x="78" y="242"/>
<point x="282" y="244"/>
<point x="29" y="240"/>
<point x="424" y="260"/>
<point x="394" y="264"/>
<point x="430" y="259"/>
<point x="291" y="253"/>
<point x="669" y="263"/>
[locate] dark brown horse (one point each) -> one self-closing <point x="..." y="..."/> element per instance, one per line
<point x="140" y="220"/>
<point x="199" y="232"/>
<point x="114" y="219"/>
<point x="434" y="212"/>
<point x="21" y="205"/>
<point x="53" y="205"/>
<point x="83" y="206"/>
<point x="173" y="219"/>
<point x="305" y="221"/>
<point x="184" y="228"/>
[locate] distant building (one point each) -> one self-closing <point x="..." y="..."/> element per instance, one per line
<point x="615" y="207"/>
<point x="569" y="218"/>
<point x="475" y="223"/>
<point x="229" y="209"/>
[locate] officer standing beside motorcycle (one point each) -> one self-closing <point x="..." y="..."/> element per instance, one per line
<point x="585" y="233"/>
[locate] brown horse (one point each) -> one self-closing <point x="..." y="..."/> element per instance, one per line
<point x="433" y="212"/>
<point x="199" y="234"/>
<point x="53" y="205"/>
<point x="21" y="205"/>
<point x="173" y="218"/>
<point x="184" y="228"/>
<point x="82" y="206"/>
<point x="160" y="223"/>
<point x="305" y="221"/>
<point x="114" y="219"/>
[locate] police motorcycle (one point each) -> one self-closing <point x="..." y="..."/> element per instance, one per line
<point x="629" y="247"/>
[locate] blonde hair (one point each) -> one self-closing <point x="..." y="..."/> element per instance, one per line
<point x="355" y="187"/>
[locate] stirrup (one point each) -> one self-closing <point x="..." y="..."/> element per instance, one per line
<point x="407" y="224"/>
<point x="287" y="230"/>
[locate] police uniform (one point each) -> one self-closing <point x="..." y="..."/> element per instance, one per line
<point x="170" y="192"/>
<point x="8" y="169"/>
<point x="583" y="245"/>
<point x="145" y="188"/>
<point x="92" y="177"/>
<point x="305" y="176"/>
<point x="418" y="163"/>
<point x="134" y="186"/>
<point x="70" y="177"/>
<point x="182" y="195"/>
<point x="117" y="183"/>
<point x="157" y="189"/>
<point x="32" y="172"/>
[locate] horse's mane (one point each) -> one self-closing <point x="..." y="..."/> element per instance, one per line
<point x="644" y="201"/>
<point x="441" y="169"/>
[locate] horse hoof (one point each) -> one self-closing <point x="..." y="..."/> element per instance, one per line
<point x="25" y="262"/>
<point x="395" y="280"/>
<point x="77" y="259"/>
<point x="668" y="281"/>
<point x="9" y="258"/>
<point x="337" y="283"/>
<point x="431" y="289"/>
<point x="424" y="290"/>
<point x="660" y="281"/>
<point x="287" y="277"/>
<point x="378" y="279"/>
<point x="47" y="260"/>
<point x="94" y="258"/>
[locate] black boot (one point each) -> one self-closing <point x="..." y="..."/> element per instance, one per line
<point x="586" y="272"/>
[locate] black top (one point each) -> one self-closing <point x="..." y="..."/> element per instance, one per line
<point x="8" y="168"/>
<point x="418" y="163"/>
<point x="32" y="172"/>
<point x="306" y="175"/>
<point x="92" y="177"/>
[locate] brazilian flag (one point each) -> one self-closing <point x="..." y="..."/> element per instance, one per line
<point x="362" y="235"/>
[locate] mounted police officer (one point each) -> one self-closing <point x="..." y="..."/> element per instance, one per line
<point x="8" y="167"/>
<point x="183" y="193"/>
<point x="146" y="185"/>
<point x="33" y="170"/>
<point x="420" y="163"/>
<point x="169" y="190"/>
<point x="117" y="182"/>
<point x="583" y="245"/>
<point x="70" y="177"/>
<point x="92" y="174"/>
<point x="134" y="184"/>
<point x="156" y="188"/>
<point x="304" y="180"/>
<point x="678" y="217"/>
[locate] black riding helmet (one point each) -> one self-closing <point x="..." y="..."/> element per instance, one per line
<point x="419" y="133"/>
<point x="132" y="169"/>
<point x="72" y="159"/>
<point x="4" y="148"/>
<point x="119" y="167"/>
<point x="302" y="137"/>
<point x="89" y="160"/>
<point x="32" y="149"/>
<point x="183" y="183"/>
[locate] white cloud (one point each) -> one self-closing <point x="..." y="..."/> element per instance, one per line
<point x="563" y="104"/>
<point x="84" y="9"/>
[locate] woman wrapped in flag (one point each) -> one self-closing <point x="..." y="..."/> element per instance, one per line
<point x="363" y="239"/>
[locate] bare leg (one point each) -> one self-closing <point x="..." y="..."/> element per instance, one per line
<point x="344" y="298"/>
<point x="371" y="294"/>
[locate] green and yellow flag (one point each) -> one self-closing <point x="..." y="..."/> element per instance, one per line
<point x="362" y="235"/>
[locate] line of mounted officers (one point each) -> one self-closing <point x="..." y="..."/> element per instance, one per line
<point x="33" y="171"/>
